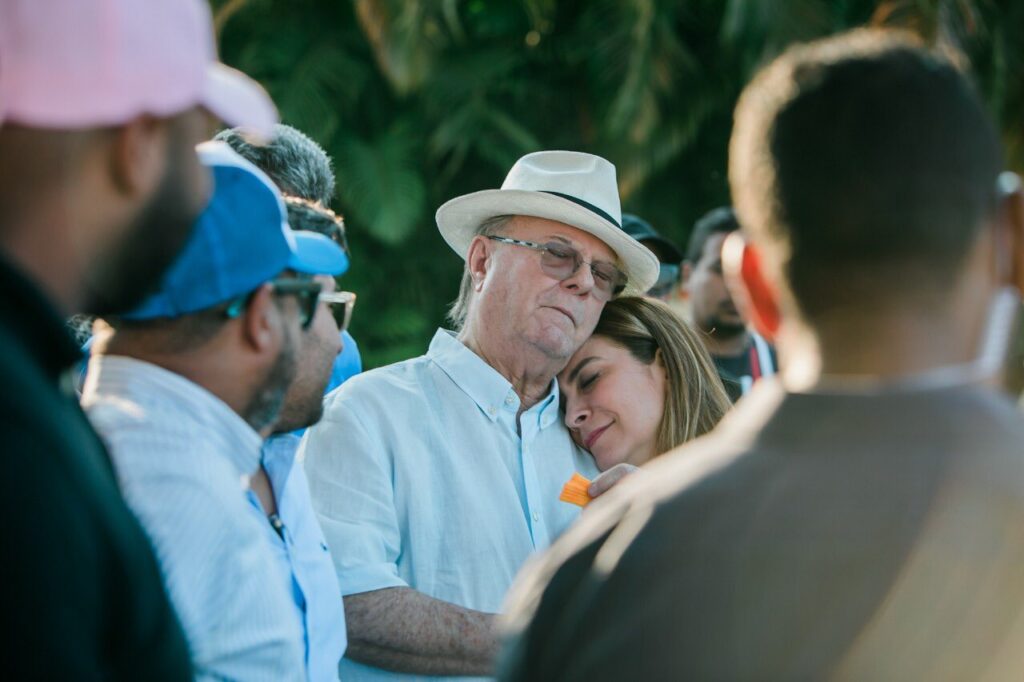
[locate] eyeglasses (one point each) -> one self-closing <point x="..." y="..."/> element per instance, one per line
<point x="343" y="298"/>
<point x="668" y="276"/>
<point x="307" y="291"/>
<point x="562" y="261"/>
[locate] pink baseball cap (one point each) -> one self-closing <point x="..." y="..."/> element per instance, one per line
<point x="72" y="64"/>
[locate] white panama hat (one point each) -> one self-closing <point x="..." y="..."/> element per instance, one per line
<point x="570" y="187"/>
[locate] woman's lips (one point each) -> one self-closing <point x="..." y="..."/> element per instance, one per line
<point x="594" y="435"/>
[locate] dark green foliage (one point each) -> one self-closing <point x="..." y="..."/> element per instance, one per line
<point x="418" y="101"/>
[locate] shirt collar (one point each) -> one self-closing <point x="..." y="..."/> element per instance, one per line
<point x="224" y="430"/>
<point x="28" y="315"/>
<point x="492" y="392"/>
<point x="278" y="457"/>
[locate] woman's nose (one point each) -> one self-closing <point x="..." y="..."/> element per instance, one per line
<point x="575" y="418"/>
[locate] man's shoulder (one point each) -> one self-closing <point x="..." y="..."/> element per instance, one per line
<point x="383" y="385"/>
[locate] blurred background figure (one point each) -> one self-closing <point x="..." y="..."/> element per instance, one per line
<point x="301" y="168"/>
<point x="101" y="106"/>
<point x="861" y="515"/>
<point x="669" y="257"/>
<point x="185" y="387"/>
<point x="741" y="355"/>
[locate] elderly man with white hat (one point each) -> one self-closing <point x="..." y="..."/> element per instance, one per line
<point x="435" y="478"/>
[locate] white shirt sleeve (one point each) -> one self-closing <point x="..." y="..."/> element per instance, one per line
<point x="349" y="468"/>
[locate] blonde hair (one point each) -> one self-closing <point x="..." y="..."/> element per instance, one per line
<point x="695" y="398"/>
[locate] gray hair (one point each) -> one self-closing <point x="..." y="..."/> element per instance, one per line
<point x="297" y="165"/>
<point x="459" y="309"/>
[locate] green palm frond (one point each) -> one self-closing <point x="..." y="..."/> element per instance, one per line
<point x="381" y="183"/>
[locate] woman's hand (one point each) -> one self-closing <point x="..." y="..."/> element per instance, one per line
<point x="606" y="480"/>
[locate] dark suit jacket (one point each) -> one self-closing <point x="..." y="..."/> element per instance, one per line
<point x="810" y="536"/>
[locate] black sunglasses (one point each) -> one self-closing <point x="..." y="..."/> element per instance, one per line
<point x="306" y="291"/>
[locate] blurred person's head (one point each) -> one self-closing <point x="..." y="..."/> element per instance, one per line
<point x="543" y="255"/>
<point x="711" y="306"/>
<point x="864" y="171"/>
<point x="101" y="105"/>
<point x="321" y="344"/>
<point x="302" y="171"/>
<point x="312" y="216"/>
<point x="669" y="257"/>
<point x="233" y="309"/>
<point x="294" y="161"/>
<point x="641" y="385"/>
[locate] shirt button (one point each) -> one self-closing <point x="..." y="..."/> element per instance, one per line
<point x="509" y="399"/>
<point x="536" y="516"/>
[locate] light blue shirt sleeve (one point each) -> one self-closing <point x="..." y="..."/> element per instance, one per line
<point x="349" y="472"/>
<point x="216" y="571"/>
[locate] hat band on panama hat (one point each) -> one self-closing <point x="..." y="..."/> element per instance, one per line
<point x="587" y="205"/>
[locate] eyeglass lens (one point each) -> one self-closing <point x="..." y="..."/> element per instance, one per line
<point x="562" y="261"/>
<point x="345" y="298"/>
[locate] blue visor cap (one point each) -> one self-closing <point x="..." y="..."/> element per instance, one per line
<point x="240" y="241"/>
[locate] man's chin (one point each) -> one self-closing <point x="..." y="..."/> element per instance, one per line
<point x="299" y="420"/>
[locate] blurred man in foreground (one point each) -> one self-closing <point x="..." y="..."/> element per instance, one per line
<point x="184" y="389"/>
<point x="741" y="355"/>
<point x="101" y="105"/>
<point x="862" y="516"/>
<point x="436" y="477"/>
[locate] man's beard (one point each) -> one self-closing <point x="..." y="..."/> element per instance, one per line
<point x="304" y="401"/>
<point x="266" y="403"/>
<point x="134" y="268"/>
<point x="724" y="330"/>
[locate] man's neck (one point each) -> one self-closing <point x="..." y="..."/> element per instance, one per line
<point x="529" y="371"/>
<point x="881" y="348"/>
<point x="41" y="256"/>
<point x="204" y="369"/>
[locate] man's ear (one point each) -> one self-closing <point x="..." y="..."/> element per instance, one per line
<point x="1014" y="225"/>
<point x="138" y="155"/>
<point x="750" y="289"/>
<point x="478" y="260"/>
<point x="261" y="327"/>
<point x="685" y="273"/>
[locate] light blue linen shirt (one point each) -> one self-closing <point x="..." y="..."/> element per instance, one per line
<point x="302" y="555"/>
<point x="420" y="478"/>
<point x="183" y="459"/>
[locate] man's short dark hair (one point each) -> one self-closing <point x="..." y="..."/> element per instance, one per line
<point x="297" y="165"/>
<point x="870" y="162"/>
<point x="720" y="220"/>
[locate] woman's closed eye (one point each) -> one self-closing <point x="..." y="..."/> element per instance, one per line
<point x="587" y="381"/>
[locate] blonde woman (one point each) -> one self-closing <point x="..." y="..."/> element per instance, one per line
<point x="641" y="385"/>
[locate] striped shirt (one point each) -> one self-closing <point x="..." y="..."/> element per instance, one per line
<point x="183" y="459"/>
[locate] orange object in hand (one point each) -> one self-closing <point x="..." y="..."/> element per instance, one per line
<point x="575" y="491"/>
